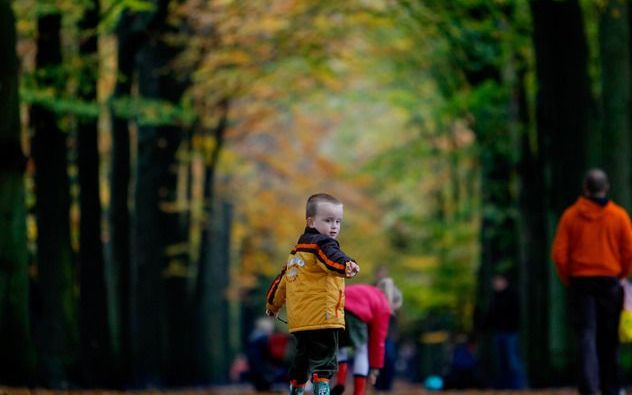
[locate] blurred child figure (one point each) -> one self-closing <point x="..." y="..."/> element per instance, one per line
<point x="312" y="285"/>
<point x="464" y="365"/>
<point x="239" y="368"/>
<point x="260" y="373"/>
<point x="368" y="311"/>
<point x="265" y="353"/>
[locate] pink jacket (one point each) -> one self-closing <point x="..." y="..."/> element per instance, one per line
<point x="369" y="304"/>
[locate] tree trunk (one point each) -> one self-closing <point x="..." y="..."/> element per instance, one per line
<point x="614" y="50"/>
<point x="563" y="119"/>
<point x="533" y="249"/>
<point x="564" y="103"/>
<point x="205" y="292"/>
<point x="58" y="336"/>
<point x="214" y="327"/>
<point x="161" y="302"/>
<point x="17" y="367"/>
<point x="219" y="265"/>
<point x="93" y="310"/>
<point x="128" y="38"/>
<point x="213" y="313"/>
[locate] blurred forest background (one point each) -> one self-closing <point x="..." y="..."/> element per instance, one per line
<point x="155" y="158"/>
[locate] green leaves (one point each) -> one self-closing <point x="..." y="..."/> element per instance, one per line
<point x="141" y="110"/>
<point x="114" y="9"/>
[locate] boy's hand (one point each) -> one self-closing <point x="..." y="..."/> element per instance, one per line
<point x="351" y="269"/>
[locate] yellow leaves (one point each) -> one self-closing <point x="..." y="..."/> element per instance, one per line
<point x="419" y="263"/>
<point x="31" y="228"/>
<point x="233" y="57"/>
<point x="255" y="261"/>
<point x="203" y="143"/>
<point x="267" y="26"/>
<point x="434" y="337"/>
<point x="178" y="269"/>
<point x="312" y="105"/>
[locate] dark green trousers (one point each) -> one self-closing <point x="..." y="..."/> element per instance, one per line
<point x="356" y="332"/>
<point x="315" y="354"/>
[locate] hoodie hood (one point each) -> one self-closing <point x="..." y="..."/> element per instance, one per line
<point x="591" y="210"/>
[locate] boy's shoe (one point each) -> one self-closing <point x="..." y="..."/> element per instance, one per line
<point x="321" y="386"/>
<point x="296" y="388"/>
<point x="338" y="389"/>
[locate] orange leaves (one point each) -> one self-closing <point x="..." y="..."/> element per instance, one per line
<point x="309" y="110"/>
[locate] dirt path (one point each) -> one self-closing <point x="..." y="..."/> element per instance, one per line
<point x="401" y="389"/>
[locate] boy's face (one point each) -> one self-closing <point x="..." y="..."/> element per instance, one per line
<point x="327" y="220"/>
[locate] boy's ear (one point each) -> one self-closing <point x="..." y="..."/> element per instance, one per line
<point x="310" y="222"/>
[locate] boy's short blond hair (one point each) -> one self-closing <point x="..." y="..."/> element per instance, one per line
<point x="315" y="199"/>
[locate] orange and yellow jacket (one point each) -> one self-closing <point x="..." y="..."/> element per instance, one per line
<point x="593" y="240"/>
<point x="311" y="284"/>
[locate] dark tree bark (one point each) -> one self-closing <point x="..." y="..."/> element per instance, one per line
<point x="58" y="338"/>
<point x="162" y="305"/>
<point x="564" y="115"/>
<point x="93" y="311"/>
<point x="614" y="51"/>
<point x="219" y="263"/>
<point x="533" y="251"/>
<point x="129" y="35"/>
<point x="17" y="365"/>
<point x="211" y="283"/>
<point x="564" y="112"/>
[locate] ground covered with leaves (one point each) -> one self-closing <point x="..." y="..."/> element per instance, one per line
<point x="401" y="389"/>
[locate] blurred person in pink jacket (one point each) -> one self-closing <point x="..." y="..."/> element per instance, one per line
<point x="368" y="311"/>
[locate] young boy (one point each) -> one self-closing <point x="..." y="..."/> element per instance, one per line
<point x="312" y="285"/>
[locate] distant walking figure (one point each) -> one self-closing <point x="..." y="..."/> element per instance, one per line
<point x="503" y="320"/>
<point x="592" y="250"/>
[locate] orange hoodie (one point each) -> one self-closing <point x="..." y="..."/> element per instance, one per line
<point x="592" y="240"/>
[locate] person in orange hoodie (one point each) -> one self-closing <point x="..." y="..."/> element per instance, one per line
<point x="592" y="251"/>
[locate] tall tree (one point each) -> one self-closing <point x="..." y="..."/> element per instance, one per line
<point x="93" y="311"/>
<point x="564" y="116"/>
<point x="211" y="278"/>
<point x="533" y="248"/>
<point x="128" y="34"/>
<point x="16" y="368"/>
<point x="58" y="338"/>
<point x="614" y="51"/>
<point x="161" y="302"/>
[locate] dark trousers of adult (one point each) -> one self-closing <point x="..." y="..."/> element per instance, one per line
<point x="384" y="380"/>
<point x="509" y="369"/>
<point x="315" y="354"/>
<point x="596" y="304"/>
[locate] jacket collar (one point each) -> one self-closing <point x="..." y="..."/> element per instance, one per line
<point x="602" y="201"/>
<point x="311" y="230"/>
